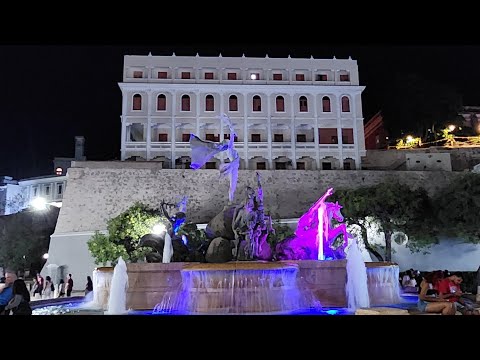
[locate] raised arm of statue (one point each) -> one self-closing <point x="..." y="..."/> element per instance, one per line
<point x="204" y="150"/>
<point x="320" y="201"/>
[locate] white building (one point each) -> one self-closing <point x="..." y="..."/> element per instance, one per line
<point x="288" y="113"/>
<point x="17" y="195"/>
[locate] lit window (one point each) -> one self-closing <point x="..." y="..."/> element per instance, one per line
<point x="300" y="77"/>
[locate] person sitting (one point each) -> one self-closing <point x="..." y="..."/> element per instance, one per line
<point x="431" y="303"/>
<point x="20" y="303"/>
<point x="450" y="290"/>
<point x="409" y="284"/>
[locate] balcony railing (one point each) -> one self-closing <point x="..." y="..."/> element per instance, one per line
<point x="167" y="145"/>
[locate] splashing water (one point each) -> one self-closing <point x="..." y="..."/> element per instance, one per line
<point x="357" y="281"/>
<point x="238" y="291"/>
<point x="383" y="285"/>
<point x="117" y="301"/>
<point x="167" y="249"/>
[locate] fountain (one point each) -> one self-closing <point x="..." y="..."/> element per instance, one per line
<point x="117" y="296"/>
<point x="238" y="288"/>
<point x="310" y="271"/>
<point x="356" y="287"/>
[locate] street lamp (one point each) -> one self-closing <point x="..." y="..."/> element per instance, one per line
<point x="39" y="203"/>
<point x="158" y="229"/>
<point x="45" y="256"/>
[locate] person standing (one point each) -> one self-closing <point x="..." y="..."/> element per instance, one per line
<point x="61" y="288"/>
<point x="69" y="285"/>
<point x="89" y="285"/>
<point x="6" y="294"/>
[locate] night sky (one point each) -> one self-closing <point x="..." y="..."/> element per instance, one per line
<point x="51" y="93"/>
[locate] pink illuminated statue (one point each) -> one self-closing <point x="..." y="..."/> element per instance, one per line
<point x="315" y="235"/>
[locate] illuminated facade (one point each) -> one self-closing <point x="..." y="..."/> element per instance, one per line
<point x="303" y="114"/>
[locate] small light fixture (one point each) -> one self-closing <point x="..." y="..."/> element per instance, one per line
<point x="39" y="203"/>
<point x="253" y="76"/>
<point x="158" y="229"/>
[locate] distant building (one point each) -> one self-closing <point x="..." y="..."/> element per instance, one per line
<point x="289" y="113"/>
<point x="61" y="164"/>
<point x="16" y="195"/>
<point x="471" y="114"/>
<point x="376" y="136"/>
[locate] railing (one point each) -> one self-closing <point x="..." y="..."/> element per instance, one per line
<point x="142" y="145"/>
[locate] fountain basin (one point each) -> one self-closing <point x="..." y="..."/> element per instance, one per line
<point x="383" y="283"/>
<point x="317" y="282"/>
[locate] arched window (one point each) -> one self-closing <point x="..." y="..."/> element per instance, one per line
<point x="209" y="103"/>
<point x="257" y="103"/>
<point x="137" y="102"/>
<point x="280" y="104"/>
<point x="326" y="104"/>
<point x="185" y="103"/>
<point x="161" y="102"/>
<point x="345" y="104"/>
<point x="303" y="104"/>
<point x="232" y="103"/>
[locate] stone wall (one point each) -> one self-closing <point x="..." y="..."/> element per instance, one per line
<point x="461" y="158"/>
<point x="98" y="191"/>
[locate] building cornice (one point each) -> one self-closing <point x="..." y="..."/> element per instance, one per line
<point x="243" y="88"/>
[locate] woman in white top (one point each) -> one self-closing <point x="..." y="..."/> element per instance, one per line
<point x="47" y="288"/>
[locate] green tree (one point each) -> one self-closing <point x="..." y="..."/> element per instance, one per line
<point x="393" y="207"/>
<point x="457" y="207"/>
<point x="124" y="233"/>
<point x="25" y="237"/>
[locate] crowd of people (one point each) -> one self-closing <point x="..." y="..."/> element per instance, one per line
<point x="44" y="288"/>
<point x="15" y="295"/>
<point x="440" y="292"/>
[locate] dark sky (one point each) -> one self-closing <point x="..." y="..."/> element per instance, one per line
<point x="51" y="93"/>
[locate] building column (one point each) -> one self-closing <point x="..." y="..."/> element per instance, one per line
<point x="269" y="132"/>
<point x="245" y="129"/>
<point x="222" y="156"/>
<point x="123" y="120"/>
<point x="149" y="123"/>
<point x="339" y="129"/>
<point x="356" y="143"/>
<point x="173" y="131"/>
<point x="292" y="130"/>
<point x="197" y="110"/>
<point x="316" y="138"/>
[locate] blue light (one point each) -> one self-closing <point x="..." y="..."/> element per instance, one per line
<point x="332" y="312"/>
